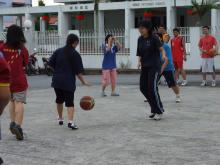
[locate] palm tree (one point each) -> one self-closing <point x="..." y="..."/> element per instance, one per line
<point x="200" y="9"/>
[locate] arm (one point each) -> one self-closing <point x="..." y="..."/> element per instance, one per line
<point x="82" y="80"/>
<point x="118" y="44"/>
<point x="52" y="61"/>
<point x="139" y="62"/>
<point x="200" y="47"/>
<point x="78" y="64"/>
<point x="25" y="56"/>
<point x="164" y="58"/>
<point x="184" y="49"/>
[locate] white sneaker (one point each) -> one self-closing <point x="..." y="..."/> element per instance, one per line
<point x="158" y="117"/>
<point x="203" y="84"/>
<point x="178" y="100"/>
<point x="178" y="82"/>
<point x="213" y="83"/>
<point x="184" y="83"/>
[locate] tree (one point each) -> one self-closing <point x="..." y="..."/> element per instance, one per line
<point x="41" y="3"/>
<point x="200" y="9"/>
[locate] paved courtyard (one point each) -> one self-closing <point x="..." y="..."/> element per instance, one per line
<point x="116" y="132"/>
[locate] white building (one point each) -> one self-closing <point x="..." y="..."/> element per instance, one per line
<point x="113" y="15"/>
<point x="122" y="14"/>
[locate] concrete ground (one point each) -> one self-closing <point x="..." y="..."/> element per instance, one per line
<point x="116" y="132"/>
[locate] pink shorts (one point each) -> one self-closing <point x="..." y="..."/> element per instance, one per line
<point x="108" y="75"/>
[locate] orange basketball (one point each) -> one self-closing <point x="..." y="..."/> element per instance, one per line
<point x="212" y="52"/>
<point x="87" y="103"/>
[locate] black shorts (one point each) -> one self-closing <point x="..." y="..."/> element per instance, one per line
<point x="170" y="78"/>
<point x="63" y="96"/>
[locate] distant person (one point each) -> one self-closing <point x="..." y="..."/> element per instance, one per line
<point x="4" y="87"/>
<point x="149" y="50"/>
<point x="67" y="64"/>
<point x="179" y="55"/>
<point x="16" y="56"/>
<point x="167" y="70"/>
<point x="208" y="43"/>
<point x="4" y="84"/>
<point x="163" y="31"/>
<point x="109" y="67"/>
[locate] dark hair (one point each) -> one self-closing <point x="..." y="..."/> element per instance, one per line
<point x="68" y="49"/>
<point x="107" y="37"/>
<point x="176" y="30"/>
<point x="162" y="26"/>
<point x="71" y="39"/>
<point x="15" y="37"/>
<point x="206" y="27"/>
<point x="148" y="25"/>
<point x="160" y="36"/>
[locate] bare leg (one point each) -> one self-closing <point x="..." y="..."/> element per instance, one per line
<point x="60" y="111"/>
<point x="113" y="76"/>
<point x="19" y="112"/>
<point x="176" y="90"/>
<point x="12" y="111"/>
<point x="213" y="76"/>
<point x="71" y="112"/>
<point x="204" y="76"/>
<point x="177" y="74"/>
<point x="183" y="73"/>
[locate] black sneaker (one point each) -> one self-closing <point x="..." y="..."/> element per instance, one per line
<point x="18" y="132"/>
<point x="1" y="161"/>
<point x="72" y="126"/>
<point x="11" y="127"/>
<point x="152" y="115"/>
<point x="60" y="121"/>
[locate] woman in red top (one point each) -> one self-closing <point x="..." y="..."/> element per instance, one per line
<point x="4" y="83"/>
<point x="179" y="55"/>
<point x="16" y="55"/>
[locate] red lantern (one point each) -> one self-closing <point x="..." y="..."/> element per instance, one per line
<point x="148" y="14"/>
<point x="46" y="18"/>
<point x="80" y="17"/>
<point x="189" y="12"/>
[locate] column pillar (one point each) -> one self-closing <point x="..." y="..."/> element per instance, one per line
<point x="129" y="24"/>
<point x="30" y="17"/>
<point x="63" y="26"/>
<point x="19" y="20"/>
<point x="214" y="20"/>
<point x="171" y="17"/>
<point x="1" y="24"/>
<point x="101" y="26"/>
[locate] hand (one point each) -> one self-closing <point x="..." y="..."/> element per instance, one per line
<point x="139" y="65"/>
<point x="184" y="57"/>
<point x="86" y="83"/>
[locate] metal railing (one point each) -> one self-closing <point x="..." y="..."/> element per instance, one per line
<point x="91" y="42"/>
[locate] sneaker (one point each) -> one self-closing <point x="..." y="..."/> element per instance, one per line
<point x="158" y="117"/>
<point x="104" y="94"/>
<point x="115" y="94"/>
<point x="17" y="131"/>
<point x="72" y="126"/>
<point x="213" y="83"/>
<point x="203" y="84"/>
<point x="11" y="127"/>
<point x="178" y="82"/>
<point x="184" y="83"/>
<point x="152" y="115"/>
<point x="178" y="100"/>
<point x="60" y="121"/>
<point x="1" y="161"/>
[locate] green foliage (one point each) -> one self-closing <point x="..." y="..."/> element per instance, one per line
<point x="41" y="3"/>
<point x="204" y="6"/>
